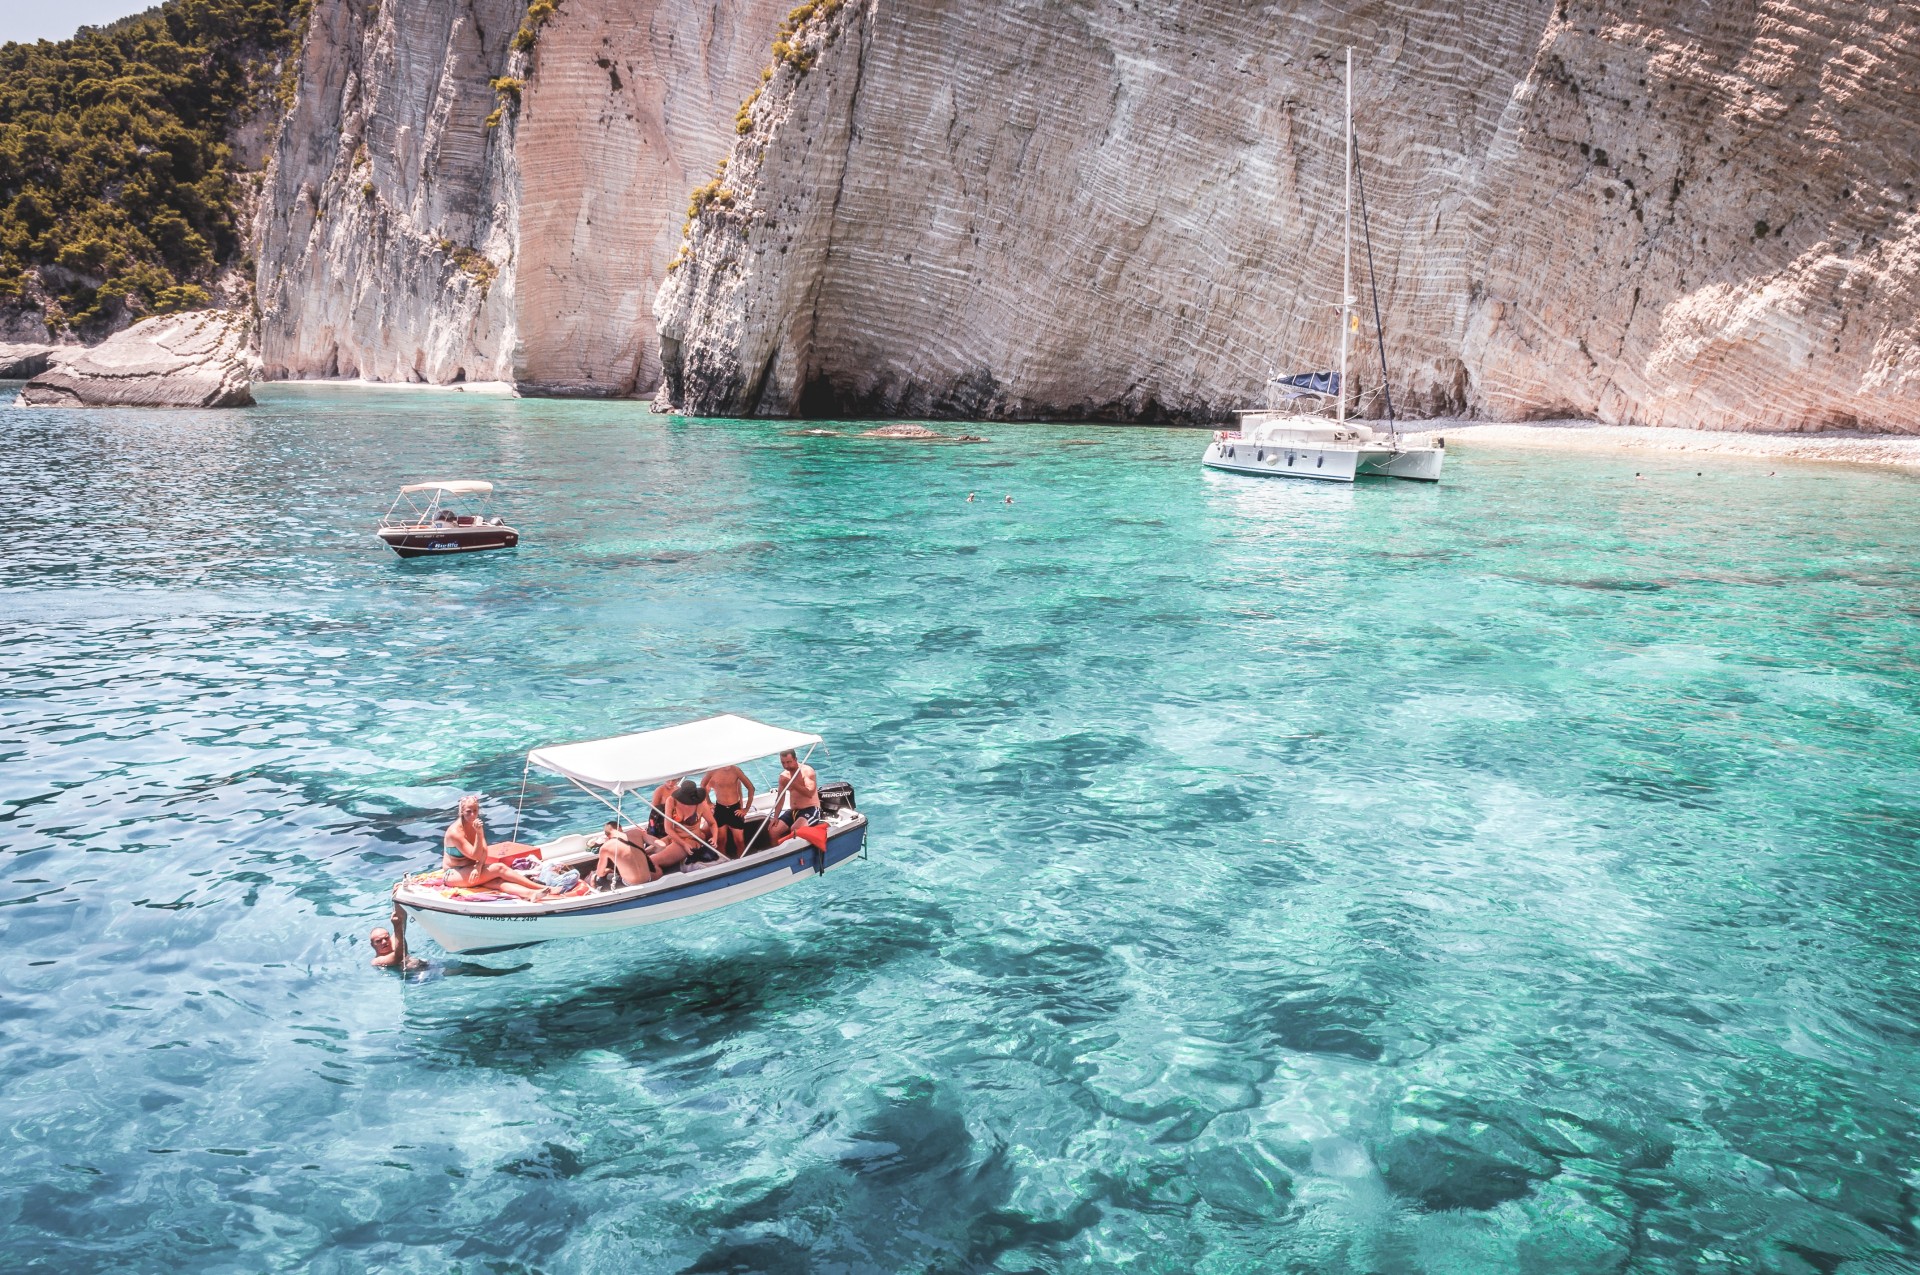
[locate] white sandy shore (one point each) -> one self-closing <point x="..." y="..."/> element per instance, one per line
<point x="1901" y="451"/>
<point x="345" y="383"/>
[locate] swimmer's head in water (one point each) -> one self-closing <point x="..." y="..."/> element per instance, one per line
<point x="382" y="941"/>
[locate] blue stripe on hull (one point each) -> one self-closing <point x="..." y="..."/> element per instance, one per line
<point x="473" y="931"/>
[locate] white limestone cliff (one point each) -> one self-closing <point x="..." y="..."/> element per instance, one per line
<point x="1670" y="212"/>
<point x="402" y="238"/>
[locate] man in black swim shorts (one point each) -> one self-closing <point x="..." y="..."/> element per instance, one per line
<point x="799" y="792"/>
<point x="732" y="792"/>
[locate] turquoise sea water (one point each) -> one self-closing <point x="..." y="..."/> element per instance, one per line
<point x="1518" y="874"/>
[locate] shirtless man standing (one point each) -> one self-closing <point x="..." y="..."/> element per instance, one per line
<point x="470" y="861"/>
<point x="799" y="792"/>
<point x="732" y="793"/>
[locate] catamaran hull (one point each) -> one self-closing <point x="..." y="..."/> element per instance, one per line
<point x="1327" y="464"/>
<point x="482" y="928"/>
<point x="1333" y="465"/>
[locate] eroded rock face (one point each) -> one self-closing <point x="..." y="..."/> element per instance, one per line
<point x="630" y="105"/>
<point x="18" y="362"/>
<point x="197" y="359"/>
<point x="404" y="240"/>
<point x="385" y="230"/>
<point x="1672" y="212"/>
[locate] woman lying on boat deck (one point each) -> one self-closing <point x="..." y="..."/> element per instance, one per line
<point x="640" y="855"/>
<point x="636" y="857"/>
<point x="470" y="861"/>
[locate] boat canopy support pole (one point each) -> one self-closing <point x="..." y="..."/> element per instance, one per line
<point x="619" y="812"/>
<point x="774" y="813"/>
<point x="521" y="805"/>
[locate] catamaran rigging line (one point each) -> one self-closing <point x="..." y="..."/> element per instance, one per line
<point x="1373" y="288"/>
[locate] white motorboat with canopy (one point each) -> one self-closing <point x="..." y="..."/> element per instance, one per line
<point x="468" y="919"/>
<point x="434" y="527"/>
<point x="1304" y="431"/>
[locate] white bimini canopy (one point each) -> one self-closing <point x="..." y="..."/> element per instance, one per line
<point x="458" y="487"/>
<point x="627" y="763"/>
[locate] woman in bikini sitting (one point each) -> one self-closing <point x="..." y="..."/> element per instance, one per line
<point x="469" y="861"/>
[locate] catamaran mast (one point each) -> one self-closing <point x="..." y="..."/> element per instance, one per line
<point x="1346" y="248"/>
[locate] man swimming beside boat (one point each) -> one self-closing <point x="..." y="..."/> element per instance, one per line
<point x="469" y="861"/>
<point x="732" y="792"/>
<point x="799" y="793"/>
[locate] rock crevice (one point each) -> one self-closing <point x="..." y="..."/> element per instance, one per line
<point x="444" y="207"/>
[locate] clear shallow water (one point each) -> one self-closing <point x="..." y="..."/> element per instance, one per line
<point x="1513" y="875"/>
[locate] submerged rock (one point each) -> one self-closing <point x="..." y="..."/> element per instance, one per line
<point x="197" y="359"/>
<point x="919" y="432"/>
<point x="17" y="362"/>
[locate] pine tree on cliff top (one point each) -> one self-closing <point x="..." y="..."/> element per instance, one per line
<point x="117" y="183"/>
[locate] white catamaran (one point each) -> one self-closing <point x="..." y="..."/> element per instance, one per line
<point x="1303" y="432"/>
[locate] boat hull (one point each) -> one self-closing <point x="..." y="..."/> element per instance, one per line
<point x="429" y="543"/>
<point x="484" y="927"/>
<point x="1325" y="464"/>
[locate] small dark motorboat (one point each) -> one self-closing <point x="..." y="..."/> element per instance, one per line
<point x="436" y="529"/>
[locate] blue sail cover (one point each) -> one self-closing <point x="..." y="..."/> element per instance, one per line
<point x="1327" y="383"/>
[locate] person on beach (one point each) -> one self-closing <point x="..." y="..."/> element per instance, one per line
<point x="732" y="793"/>
<point x="469" y="861"/>
<point x="390" y="948"/>
<point x="799" y="793"/>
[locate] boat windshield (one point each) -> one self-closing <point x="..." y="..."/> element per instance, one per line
<point x="428" y="502"/>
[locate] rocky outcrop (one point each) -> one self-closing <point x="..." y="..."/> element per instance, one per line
<point x="404" y="237"/>
<point x="197" y="359"/>
<point x="1670" y="212"/>
<point x="17" y="362"/>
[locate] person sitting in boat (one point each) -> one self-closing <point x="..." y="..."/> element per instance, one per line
<point x="688" y="815"/>
<point x="628" y="852"/>
<point x="732" y="792"/>
<point x="798" y="794"/>
<point x="656" y="826"/>
<point x="469" y="861"/>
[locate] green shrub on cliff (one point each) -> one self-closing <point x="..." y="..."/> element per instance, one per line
<point x="537" y="14"/>
<point x="506" y="92"/>
<point x="117" y="187"/>
<point x="786" y="47"/>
